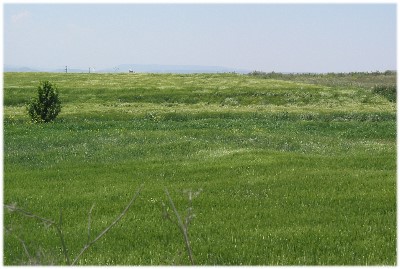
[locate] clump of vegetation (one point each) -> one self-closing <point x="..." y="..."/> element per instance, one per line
<point x="364" y="80"/>
<point x="388" y="91"/>
<point x="46" y="106"/>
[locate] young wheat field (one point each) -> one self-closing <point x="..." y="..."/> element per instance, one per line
<point x="291" y="170"/>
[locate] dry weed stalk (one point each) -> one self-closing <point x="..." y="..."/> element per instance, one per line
<point x="58" y="227"/>
<point x="183" y="226"/>
<point x="47" y="223"/>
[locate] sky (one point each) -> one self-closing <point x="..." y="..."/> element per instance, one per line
<point x="264" y="37"/>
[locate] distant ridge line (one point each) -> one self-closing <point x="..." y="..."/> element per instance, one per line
<point x="139" y="68"/>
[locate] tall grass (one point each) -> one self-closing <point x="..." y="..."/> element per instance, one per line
<point x="293" y="173"/>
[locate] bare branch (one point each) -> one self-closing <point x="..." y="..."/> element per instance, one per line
<point x="58" y="227"/>
<point x="90" y="216"/>
<point x="60" y="234"/>
<point x="21" y="241"/>
<point x="183" y="228"/>
<point x="47" y="222"/>
<point x="28" y="214"/>
<point x="108" y="228"/>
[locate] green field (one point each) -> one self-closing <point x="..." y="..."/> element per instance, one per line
<point x="292" y="170"/>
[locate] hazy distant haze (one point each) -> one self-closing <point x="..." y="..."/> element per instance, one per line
<point x="266" y="37"/>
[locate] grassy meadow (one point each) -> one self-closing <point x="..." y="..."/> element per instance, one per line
<point x="298" y="171"/>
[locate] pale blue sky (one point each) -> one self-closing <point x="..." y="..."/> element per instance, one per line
<point x="267" y="37"/>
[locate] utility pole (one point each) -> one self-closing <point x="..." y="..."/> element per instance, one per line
<point x="89" y="70"/>
<point x="66" y="69"/>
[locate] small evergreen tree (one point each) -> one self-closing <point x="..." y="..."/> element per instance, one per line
<point x="46" y="106"/>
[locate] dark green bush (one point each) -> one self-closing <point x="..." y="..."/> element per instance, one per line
<point x="46" y="106"/>
<point x="388" y="91"/>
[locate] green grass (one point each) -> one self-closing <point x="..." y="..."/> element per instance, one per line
<point x="291" y="173"/>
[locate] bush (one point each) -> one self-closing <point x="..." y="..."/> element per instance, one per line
<point x="46" y="106"/>
<point x="389" y="92"/>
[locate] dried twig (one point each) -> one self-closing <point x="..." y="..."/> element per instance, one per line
<point x="13" y="208"/>
<point x="58" y="227"/>
<point x="88" y="244"/>
<point x="183" y="226"/>
<point x="89" y="219"/>
<point x="60" y="234"/>
<point x="47" y="222"/>
<point x="21" y="241"/>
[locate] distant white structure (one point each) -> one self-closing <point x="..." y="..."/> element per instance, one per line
<point x="130" y="71"/>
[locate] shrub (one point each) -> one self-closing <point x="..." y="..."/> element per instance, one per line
<point x="46" y="106"/>
<point x="388" y="91"/>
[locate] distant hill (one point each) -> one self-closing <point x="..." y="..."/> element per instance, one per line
<point x="10" y="68"/>
<point x="182" y="69"/>
<point x="139" y="68"/>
